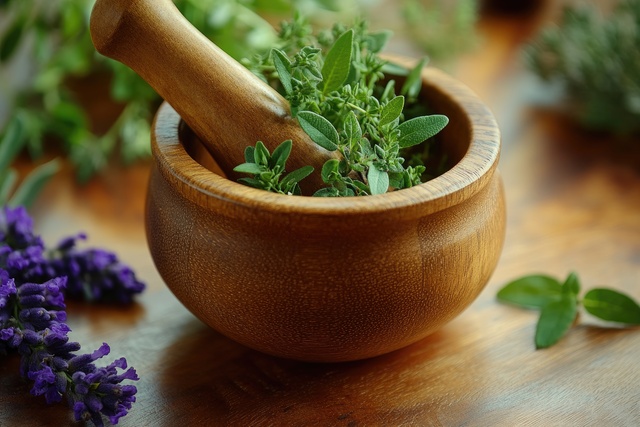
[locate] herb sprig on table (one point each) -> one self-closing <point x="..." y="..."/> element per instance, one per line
<point x="559" y="304"/>
<point x="335" y="83"/>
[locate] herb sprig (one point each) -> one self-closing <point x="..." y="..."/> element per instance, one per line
<point x="559" y="304"/>
<point x="337" y="90"/>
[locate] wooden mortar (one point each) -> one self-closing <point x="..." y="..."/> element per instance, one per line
<point x="335" y="279"/>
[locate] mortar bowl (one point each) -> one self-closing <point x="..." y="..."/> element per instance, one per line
<point x="329" y="279"/>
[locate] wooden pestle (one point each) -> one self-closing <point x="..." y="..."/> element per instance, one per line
<point x="226" y="106"/>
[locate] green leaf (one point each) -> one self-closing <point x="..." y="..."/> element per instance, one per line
<point x="571" y="285"/>
<point x="281" y="154"/>
<point x="611" y="305"/>
<point x="377" y="41"/>
<point x="12" y="142"/>
<point x="378" y="180"/>
<point x="8" y="180"/>
<point x="31" y="186"/>
<point x="250" y="168"/>
<point x="534" y="291"/>
<point x="420" y="129"/>
<point x="11" y="40"/>
<point x="297" y="175"/>
<point x="261" y="154"/>
<point x="413" y="83"/>
<point x="283" y="67"/>
<point x="392" y="110"/>
<point x="329" y="169"/>
<point x="249" y="156"/>
<point x="352" y="128"/>
<point x="319" y="129"/>
<point x="337" y="63"/>
<point x="327" y="192"/>
<point x="555" y="320"/>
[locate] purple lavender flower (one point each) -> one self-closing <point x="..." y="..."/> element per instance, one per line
<point x="7" y="305"/>
<point x="97" y="391"/>
<point x="94" y="274"/>
<point x="21" y="250"/>
<point x="49" y="358"/>
<point x="33" y="284"/>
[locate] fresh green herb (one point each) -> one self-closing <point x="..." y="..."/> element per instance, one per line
<point x="338" y="91"/>
<point x="596" y="61"/>
<point x="268" y="169"/>
<point x="24" y="193"/>
<point x="559" y="302"/>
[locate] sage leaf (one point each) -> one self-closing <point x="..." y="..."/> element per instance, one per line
<point x="392" y="110"/>
<point x="612" y="306"/>
<point x="534" y="291"/>
<point x="555" y="320"/>
<point x="352" y="128"/>
<point x="413" y="84"/>
<point x="251" y="168"/>
<point x="420" y="129"/>
<point x="330" y="169"/>
<point x="283" y="67"/>
<point x="337" y="63"/>
<point x="249" y="156"/>
<point x="378" y="180"/>
<point x="31" y="186"/>
<point x="319" y="129"/>
<point x="281" y="154"/>
<point x="261" y="154"/>
<point x="297" y="175"/>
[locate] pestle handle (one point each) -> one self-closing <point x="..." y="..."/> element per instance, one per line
<point x="226" y="105"/>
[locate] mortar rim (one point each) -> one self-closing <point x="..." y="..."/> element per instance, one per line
<point x="462" y="181"/>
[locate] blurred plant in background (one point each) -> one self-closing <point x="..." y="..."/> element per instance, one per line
<point x="66" y="83"/>
<point x="12" y="191"/>
<point x="443" y="29"/>
<point x="596" y="61"/>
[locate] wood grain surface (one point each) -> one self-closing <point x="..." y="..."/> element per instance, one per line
<point x="573" y="202"/>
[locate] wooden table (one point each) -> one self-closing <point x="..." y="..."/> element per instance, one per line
<point x="573" y="204"/>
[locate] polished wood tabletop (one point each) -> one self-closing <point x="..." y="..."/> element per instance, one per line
<point x="573" y="201"/>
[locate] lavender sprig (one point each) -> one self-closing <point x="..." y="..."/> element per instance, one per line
<point x="92" y="274"/>
<point x="33" y="312"/>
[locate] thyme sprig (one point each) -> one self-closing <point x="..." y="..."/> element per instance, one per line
<point x="339" y="93"/>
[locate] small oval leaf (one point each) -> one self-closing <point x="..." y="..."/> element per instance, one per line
<point x="283" y="67"/>
<point x="420" y="129"/>
<point x="611" y="305"/>
<point x="337" y="63"/>
<point x="555" y="320"/>
<point x="392" y="110"/>
<point x="250" y="168"/>
<point x="378" y="180"/>
<point x="319" y="129"/>
<point x="534" y="291"/>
